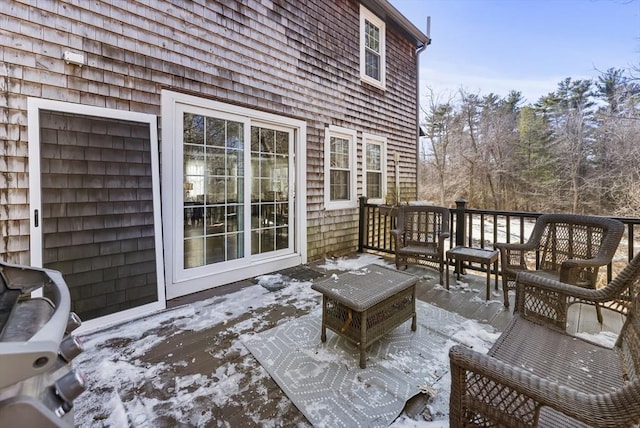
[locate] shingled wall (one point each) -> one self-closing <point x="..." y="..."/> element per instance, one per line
<point x="295" y="58"/>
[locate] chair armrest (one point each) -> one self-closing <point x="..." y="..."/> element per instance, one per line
<point x="546" y="301"/>
<point x="441" y="238"/>
<point x="593" y="262"/>
<point x="531" y="283"/>
<point x="398" y="236"/>
<point x="513" y="254"/>
<point x="510" y="396"/>
<point x="526" y="246"/>
<point x="570" y="269"/>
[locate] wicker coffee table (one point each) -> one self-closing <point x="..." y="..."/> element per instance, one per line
<point x="363" y="306"/>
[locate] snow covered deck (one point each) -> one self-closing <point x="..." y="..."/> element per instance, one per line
<point x="187" y="366"/>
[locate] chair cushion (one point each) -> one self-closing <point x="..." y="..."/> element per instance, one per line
<point x="559" y="357"/>
<point x="418" y="250"/>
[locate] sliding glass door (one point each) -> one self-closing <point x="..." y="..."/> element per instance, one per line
<point x="236" y="180"/>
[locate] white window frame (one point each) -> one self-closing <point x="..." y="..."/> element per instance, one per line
<point x="349" y="134"/>
<point x="367" y="15"/>
<point x="382" y="142"/>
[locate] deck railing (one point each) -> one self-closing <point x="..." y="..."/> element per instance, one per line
<point x="473" y="228"/>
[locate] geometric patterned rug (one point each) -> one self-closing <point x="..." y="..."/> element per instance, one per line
<point x="325" y="382"/>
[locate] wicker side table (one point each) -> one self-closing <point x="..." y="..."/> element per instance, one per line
<point x="475" y="255"/>
<point x="364" y="306"/>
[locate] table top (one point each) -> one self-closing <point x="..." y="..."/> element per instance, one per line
<point x="482" y="255"/>
<point x="362" y="289"/>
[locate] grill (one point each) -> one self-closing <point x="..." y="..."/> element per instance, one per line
<point x="37" y="382"/>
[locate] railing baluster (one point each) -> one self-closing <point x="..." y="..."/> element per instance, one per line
<point x="481" y="230"/>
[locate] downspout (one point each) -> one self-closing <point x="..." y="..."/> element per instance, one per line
<point x="418" y="52"/>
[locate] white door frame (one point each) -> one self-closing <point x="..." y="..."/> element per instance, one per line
<point x="34" y="106"/>
<point x="172" y="196"/>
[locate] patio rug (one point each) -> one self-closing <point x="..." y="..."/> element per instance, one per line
<point x="325" y="382"/>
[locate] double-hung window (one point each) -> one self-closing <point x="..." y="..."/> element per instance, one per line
<point x="340" y="168"/>
<point x="375" y="171"/>
<point x="372" y="48"/>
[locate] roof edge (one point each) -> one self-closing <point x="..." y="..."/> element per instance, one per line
<point x="388" y="11"/>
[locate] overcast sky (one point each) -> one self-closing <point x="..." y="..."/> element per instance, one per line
<point x="496" y="46"/>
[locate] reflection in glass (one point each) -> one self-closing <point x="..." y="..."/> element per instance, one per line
<point x="374" y="185"/>
<point x="193" y="129"/>
<point x="282" y="238"/>
<point x="268" y="240"/>
<point x="339" y="173"/>
<point x="215" y="249"/>
<point x="216" y="132"/>
<point x="339" y="155"/>
<point x="339" y="186"/>
<point x="193" y="252"/>
<point x="234" y="246"/>
<point x="374" y="170"/>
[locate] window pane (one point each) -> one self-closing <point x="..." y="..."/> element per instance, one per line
<point x="374" y="157"/>
<point x="372" y="37"/>
<point x="235" y="135"/>
<point x="269" y="188"/>
<point x="234" y="246"/>
<point x="282" y="238"/>
<point x="374" y="188"/>
<point x="215" y="132"/>
<point x="215" y="249"/>
<point x="339" y="153"/>
<point x="193" y="129"/>
<point x="193" y="252"/>
<point x="339" y="187"/>
<point x="372" y="64"/>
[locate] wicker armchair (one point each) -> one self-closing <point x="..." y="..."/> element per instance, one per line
<point x="567" y="247"/>
<point x="538" y="375"/>
<point x="420" y="234"/>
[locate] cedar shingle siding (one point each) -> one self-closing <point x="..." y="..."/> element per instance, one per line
<point x="293" y="58"/>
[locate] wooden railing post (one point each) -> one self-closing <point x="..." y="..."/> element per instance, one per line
<point x="460" y="223"/>
<point x="362" y="217"/>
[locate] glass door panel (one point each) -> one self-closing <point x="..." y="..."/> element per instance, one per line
<point x="270" y="202"/>
<point x="213" y="183"/>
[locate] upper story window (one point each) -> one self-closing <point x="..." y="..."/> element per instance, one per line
<point x="340" y="168"/>
<point x="375" y="167"/>
<point x="372" y="48"/>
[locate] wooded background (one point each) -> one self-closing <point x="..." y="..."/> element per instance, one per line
<point x="576" y="149"/>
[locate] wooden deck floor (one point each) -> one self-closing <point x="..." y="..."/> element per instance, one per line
<point x="466" y="297"/>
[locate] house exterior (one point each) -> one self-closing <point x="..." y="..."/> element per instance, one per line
<point x="156" y="148"/>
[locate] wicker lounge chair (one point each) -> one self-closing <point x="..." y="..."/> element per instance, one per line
<point x="566" y="247"/>
<point x="420" y="234"/>
<point x="538" y="375"/>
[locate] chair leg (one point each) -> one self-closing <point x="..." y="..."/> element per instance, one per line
<point x="505" y="290"/>
<point x="599" y="313"/>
